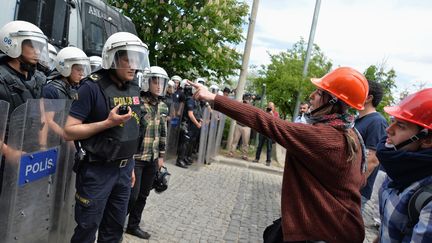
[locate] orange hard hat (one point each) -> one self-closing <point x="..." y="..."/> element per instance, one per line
<point x="416" y="108"/>
<point x="347" y="84"/>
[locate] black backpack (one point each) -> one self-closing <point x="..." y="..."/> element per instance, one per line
<point x="421" y="197"/>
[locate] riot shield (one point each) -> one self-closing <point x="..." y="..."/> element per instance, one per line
<point x="33" y="195"/>
<point x="211" y="141"/>
<point x="4" y="111"/>
<point x="219" y="135"/>
<point x="173" y="130"/>
<point x="205" y="124"/>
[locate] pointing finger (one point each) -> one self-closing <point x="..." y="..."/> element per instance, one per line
<point x="193" y="84"/>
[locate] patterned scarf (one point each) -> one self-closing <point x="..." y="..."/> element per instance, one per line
<point x="339" y="121"/>
<point x="342" y="122"/>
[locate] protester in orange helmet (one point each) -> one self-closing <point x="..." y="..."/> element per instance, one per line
<point x="406" y="155"/>
<point x="325" y="162"/>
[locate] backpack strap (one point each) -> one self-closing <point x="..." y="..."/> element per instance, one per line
<point x="421" y="197"/>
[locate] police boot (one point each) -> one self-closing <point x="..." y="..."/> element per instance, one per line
<point x="188" y="160"/>
<point x="138" y="232"/>
<point x="181" y="163"/>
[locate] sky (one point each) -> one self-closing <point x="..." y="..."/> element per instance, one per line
<point x="355" y="33"/>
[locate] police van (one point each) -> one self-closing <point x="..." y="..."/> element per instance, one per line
<point x="85" y="24"/>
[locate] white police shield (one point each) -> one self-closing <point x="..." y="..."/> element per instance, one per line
<point x="205" y="125"/>
<point x="173" y="130"/>
<point x="219" y="134"/>
<point x="38" y="182"/>
<point x="211" y="140"/>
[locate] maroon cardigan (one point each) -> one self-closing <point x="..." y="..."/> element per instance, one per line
<point x="320" y="189"/>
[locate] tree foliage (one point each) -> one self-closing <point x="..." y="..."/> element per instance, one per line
<point x="388" y="81"/>
<point x="283" y="76"/>
<point x="190" y="38"/>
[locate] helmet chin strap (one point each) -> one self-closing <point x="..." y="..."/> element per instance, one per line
<point x="422" y="134"/>
<point x="25" y="66"/>
<point x="333" y="101"/>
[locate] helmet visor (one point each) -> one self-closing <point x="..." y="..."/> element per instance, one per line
<point x="82" y="68"/>
<point x="36" y="50"/>
<point x="157" y="85"/>
<point x="134" y="57"/>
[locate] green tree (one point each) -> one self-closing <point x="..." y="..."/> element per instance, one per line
<point x="190" y="38"/>
<point x="388" y="81"/>
<point x="283" y="76"/>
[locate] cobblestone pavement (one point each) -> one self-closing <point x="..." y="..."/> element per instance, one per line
<point x="212" y="203"/>
<point x="231" y="201"/>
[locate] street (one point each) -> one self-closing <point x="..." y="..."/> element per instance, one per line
<point x="212" y="203"/>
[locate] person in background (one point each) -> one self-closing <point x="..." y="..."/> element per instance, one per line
<point x="242" y="131"/>
<point x="303" y="109"/>
<point x="151" y="152"/>
<point x="265" y="140"/>
<point x="226" y="91"/>
<point x="274" y="112"/>
<point x="325" y="161"/>
<point x="95" y="63"/>
<point x="72" y="65"/>
<point x="372" y="126"/>
<point x="406" y="156"/>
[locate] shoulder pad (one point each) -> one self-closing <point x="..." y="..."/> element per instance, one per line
<point x="95" y="77"/>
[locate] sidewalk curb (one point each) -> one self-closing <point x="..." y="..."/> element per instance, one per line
<point x="248" y="165"/>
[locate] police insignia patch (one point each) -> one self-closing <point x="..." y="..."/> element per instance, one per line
<point x="94" y="77"/>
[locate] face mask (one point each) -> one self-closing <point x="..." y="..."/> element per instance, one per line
<point x="404" y="167"/>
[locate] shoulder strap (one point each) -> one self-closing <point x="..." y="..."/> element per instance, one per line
<point x="421" y="197"/>
<point x="60" y="86"/>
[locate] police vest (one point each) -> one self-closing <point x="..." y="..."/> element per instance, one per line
<point x="120" y="142"/>
<point x="64" y="91"/>
<point x="17" y="92"/>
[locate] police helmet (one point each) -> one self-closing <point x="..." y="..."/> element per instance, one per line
<point x="184" y="83"/>
<point x="125" y="46"/>
<point x="171" y="83"/>
<point x="176" y="78"/>
<point x="70" y="56"/>
<point x="95" y="62"/>
<point x="200" y="81"/>
<point x="214" y="88"/>
<point x="15" y="33"/>
<point x="160" y="183"/>
<point x="159" y="76"/>
<point x="52" y="53"/>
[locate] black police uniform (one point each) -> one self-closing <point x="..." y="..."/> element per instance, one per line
<point x="190" y="132"/>
<point x="16" y="89"/>
<point x="103" y="181"/>
<point x="56" y="88"/>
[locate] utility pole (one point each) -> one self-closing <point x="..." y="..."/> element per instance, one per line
<point x="306" y="63"/>
<point x="244" y="68"/>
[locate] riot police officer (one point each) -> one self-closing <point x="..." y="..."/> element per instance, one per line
<point x="190" y="127"/>
<point x="95" y="63"/>
<point x="72" y="65"/>
<point x="24" y="46"/>
<point x="104" y="122"/>
<point x="153" y="132"/>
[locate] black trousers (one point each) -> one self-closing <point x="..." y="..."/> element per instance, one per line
<point x="264" y="140"/>
<point x="145" y="173"/>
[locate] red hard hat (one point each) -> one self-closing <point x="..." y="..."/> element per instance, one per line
<point x="416" y="108"/>
<point x="347" y="84"/>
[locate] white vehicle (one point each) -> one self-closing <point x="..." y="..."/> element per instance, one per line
<point x="85" y="24"/>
